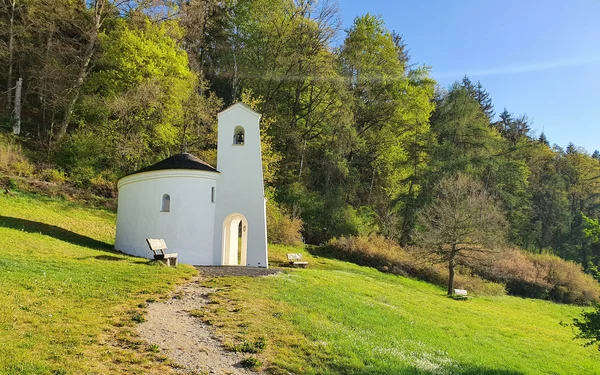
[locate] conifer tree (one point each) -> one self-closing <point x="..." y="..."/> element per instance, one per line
<point x="477" y="92"/>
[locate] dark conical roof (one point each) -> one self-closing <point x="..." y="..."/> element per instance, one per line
<point x="180" y="161"/>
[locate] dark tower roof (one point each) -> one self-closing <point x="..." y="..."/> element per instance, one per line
<point x="180" y="161"/>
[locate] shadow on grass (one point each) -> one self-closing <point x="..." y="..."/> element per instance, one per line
<point x="462" y="370"/>
<point x="53" y="231"/>
<point x="109" y="257"/>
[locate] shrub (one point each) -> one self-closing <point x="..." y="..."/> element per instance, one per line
<point x="12" y="159"/>
<point x="281" y="227"/>
<point x="103" y="187"/>
<point x="53" y="175"/>
<point x="569" y="283"/>
<point x="540" y="276"/>
<point x="245" y="346"/>
<point x="10" y="153"/>
<point x="23" y="168"/>
<point x="387" y="256"/>
<point x="251" y="362"/>
<point x="588" y="325"/>
<point x="81" y="176"/>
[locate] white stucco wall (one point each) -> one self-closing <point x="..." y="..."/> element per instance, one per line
<point x="188" y="229"/>
<point x="241" y="189"/>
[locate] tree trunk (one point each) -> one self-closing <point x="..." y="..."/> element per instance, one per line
<point x="234" y="83"/>
<point x="11" y="33"/>
<point x="44" y="86"/>
<point x="302" y="159"/>
<point x="371" y="187"/>
<point x="409" y="208"/>
<point x="451" y="275"/>
<point x="83" y="69"/>
<point x="16" y="115"/>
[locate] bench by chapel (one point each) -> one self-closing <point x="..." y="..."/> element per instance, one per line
<point x="159" y="248"/>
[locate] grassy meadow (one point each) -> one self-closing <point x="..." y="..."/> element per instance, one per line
<point x="68" y="304"/>
<point x="338" y="318"/>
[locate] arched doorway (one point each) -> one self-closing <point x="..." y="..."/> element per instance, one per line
<point x="235" y="240"/>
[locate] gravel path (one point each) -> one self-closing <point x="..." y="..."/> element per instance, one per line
<point x="216" y="271"/>
<point x="185" y="339"/>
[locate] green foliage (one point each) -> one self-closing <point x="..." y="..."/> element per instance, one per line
<point x="385" y="255"/>
<point x="589" y="326"/>
<point x="466" y="142"/>
<point x="355" y="136"/>
<point x="591" y="229"/>
<point x="256" y="346"/>
<point x="281" y="227"/>
<point x="54" y="175"/>
<point x="251" y="363"/>
<point x="138" y="99"/>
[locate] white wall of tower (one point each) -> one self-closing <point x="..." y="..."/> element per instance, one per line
<point x="240" y="189"/>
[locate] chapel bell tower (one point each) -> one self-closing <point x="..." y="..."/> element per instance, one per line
<point x="240" y="216"/>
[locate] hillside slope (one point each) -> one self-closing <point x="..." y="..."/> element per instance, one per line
<point x="68" y="303"/>
<point x="336" y="317"/>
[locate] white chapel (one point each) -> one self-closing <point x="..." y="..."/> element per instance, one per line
<point x="209" y="216"/>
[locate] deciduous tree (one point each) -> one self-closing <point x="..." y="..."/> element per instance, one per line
<point x="462" y="222"/>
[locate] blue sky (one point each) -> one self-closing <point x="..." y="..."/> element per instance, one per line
<point x="540" y="58"/>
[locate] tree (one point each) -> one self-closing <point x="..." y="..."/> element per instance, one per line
<point x="477" y="92"/>
<point x="391" y="106"/>
<point x="589" y="326"/>
<point x="98" y="12"/>
<point x="134" y="100"/>
<point x="591" y="244"/>
<point x="466" y="143"/>
<point x="511" y="128"/>
<point x="463" y="222"/>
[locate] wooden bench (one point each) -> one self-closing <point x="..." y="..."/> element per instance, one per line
<point x="461" y="293"/>
<point x="159" y="248"/>
<point x="295" y="260"/>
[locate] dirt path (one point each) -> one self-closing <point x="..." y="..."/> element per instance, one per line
<point x="184" y="338"/>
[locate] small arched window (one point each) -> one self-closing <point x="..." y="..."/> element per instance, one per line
<point x="166" y="203"/>
<point x="238" y="136"/>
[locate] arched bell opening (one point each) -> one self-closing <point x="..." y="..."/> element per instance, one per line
<point x="238" y="136"/>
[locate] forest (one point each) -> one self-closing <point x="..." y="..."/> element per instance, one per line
<point x="356" y="136"/>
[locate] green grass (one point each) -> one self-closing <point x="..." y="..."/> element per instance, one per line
<point x="68" y="303"/>
<point x="336" y="317"/>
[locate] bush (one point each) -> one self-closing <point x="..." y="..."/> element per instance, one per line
<point x="251" y="363"/>
<point x="10" y="153"/>
<point x="387" y="256"/>
<point x="81" y="176"/>
<point x="12" y="159"/>
<point x="588" y="325"/>
<point x="569" y="283"/>
<point x="23" y="168"/>
<point x="104" y="186"/>
<point x="245" y="346"/>
<point x="540" y="276"/>
<point x="281" y="227"/>
<point x="53" y="175"/>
